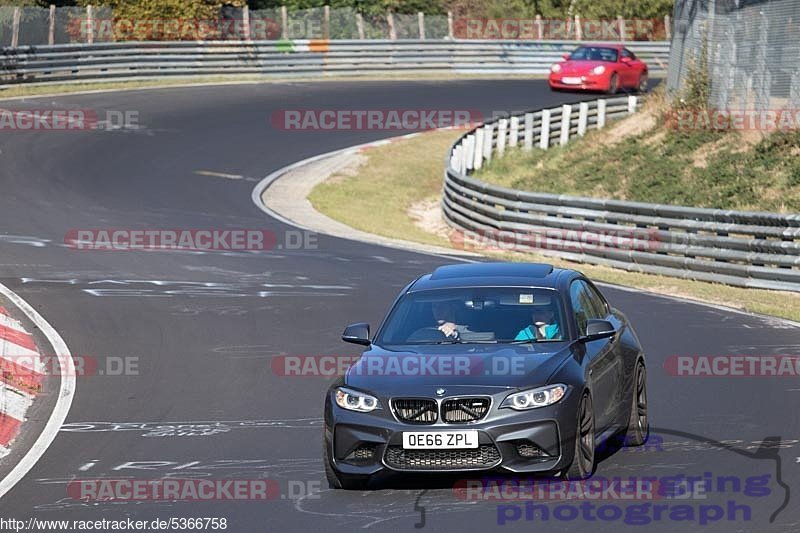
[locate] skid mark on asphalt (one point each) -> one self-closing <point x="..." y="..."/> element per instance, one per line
<point x="189" y="428"/>
<point x="393" y="505"/>
<point x="284" y="471"/>
<point x="168" y="288"/>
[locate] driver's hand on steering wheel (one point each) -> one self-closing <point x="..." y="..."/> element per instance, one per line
<point x="449" y="329"/>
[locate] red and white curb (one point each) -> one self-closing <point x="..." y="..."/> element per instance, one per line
<point x="21" y="376"/>
<point x="22" y="381"/>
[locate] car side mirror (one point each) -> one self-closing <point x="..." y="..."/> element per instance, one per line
<point x="598" y="329"/>
<point x="626" y="60"/>
<point x="357" y="334"/>
<point x="565" y="56"/>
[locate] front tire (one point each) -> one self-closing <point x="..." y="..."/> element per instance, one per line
<point x="337" y="480"/>
<point x="582" y="465"/>
<point x="638" y="423"/>
<point x="613" y="84"/>
<point x="642" y="85"/>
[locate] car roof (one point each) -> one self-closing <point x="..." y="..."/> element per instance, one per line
<point x="494" y="275"/>
<point x="603" y="45"/>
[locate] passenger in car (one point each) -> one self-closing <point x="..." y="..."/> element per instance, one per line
<point x="544" y="327"/>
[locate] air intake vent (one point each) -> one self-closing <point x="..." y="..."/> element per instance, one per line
<point x="485" y="456"/>
<point x="416" y="410"/>
<point x="464" y="410"/>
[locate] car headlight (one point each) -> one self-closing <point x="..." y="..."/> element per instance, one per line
<point x="533" y="398"/>
<point x="356" y="401"/>
<point x="555" y="68"/>
<point x="599" y="69"/>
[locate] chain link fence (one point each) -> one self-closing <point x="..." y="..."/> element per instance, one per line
<point x="751" y="49"/>
<point x="20" y="26"/>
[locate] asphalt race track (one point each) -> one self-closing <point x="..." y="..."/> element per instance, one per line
<point x="203" y="327"/>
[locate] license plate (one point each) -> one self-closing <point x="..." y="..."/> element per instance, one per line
<point x="439" y="440"/>
<point x="571" y="81"/>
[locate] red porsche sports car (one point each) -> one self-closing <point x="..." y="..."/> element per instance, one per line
<point x="606" y="67"/>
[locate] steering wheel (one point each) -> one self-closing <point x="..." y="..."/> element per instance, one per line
<point x="427" y="334"/>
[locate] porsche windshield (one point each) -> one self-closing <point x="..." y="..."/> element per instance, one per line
<point x="594" y="53"/>
<point x="475" y="315"/>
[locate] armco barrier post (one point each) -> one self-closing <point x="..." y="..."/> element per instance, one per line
<point x="527" y="143"/>
<point x="502" y="127"/>
<point x="392" y="29"/>
<point x="456" y="161"/>
<point x="284" y="23"/>
<point x="326" y="22"/>
<point x="15" y="28"/>
<point x="566" y="113"/>
<point x="488" y="130"/>
<point x="421" y="24"/>
<point x="621" y="24"/>
<point x="578" y="32"/>
<point x="583" y="118"/>
<point x="449" y="24"/>
<point x="631" y="103"/>
<point x="90" y="24"/>
<point x="360" y="25"/>
<point x="469" y="151"/>
<point x="51" y="25"/>
<point x="601" y="114"/>
<point x="539" y="28"/>
<point x="246" y="22"/>
<point x="544" y="136"/>
<point x="513" y="135"/>
<point x="478" y="161"/>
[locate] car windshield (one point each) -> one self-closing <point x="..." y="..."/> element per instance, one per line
<point x="594" y="53"/>
<point x="475" y="315"/>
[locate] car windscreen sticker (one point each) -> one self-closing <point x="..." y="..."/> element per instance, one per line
<point x="526" y="298"/>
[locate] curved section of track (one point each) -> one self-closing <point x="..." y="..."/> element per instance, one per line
<point x="203" y="328"/>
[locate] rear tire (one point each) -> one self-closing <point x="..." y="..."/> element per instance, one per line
<point x="337" y="480"/>
<point x="639" y="423"/>
<point x="642" y="85"/>
<point x="583" y="461"/>
<point x="613" y="84"/>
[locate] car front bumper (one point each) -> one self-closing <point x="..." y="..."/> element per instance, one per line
<point x="539" y="440"/>
<point x="590" y="82"/>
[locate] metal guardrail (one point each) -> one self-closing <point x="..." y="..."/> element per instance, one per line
<point x="127" y="60"/>
<point x="739" y="248"/>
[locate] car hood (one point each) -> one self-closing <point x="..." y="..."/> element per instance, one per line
<point x="390" y="372"/>
<point x="580" y="67"/>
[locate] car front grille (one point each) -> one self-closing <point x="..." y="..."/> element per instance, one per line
<point x="416" y="410"/>
<point x="464" y="410"/>
<point x="485" y="456"/>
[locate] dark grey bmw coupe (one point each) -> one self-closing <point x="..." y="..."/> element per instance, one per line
<point x="506" y="367"/>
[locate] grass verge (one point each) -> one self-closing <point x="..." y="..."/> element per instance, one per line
<point x="378" y="196"/>
<point x="665" y="161"/>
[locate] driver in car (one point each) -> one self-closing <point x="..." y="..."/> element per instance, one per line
<point x="544" y="327"/>
<point x="444" y="313"/>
